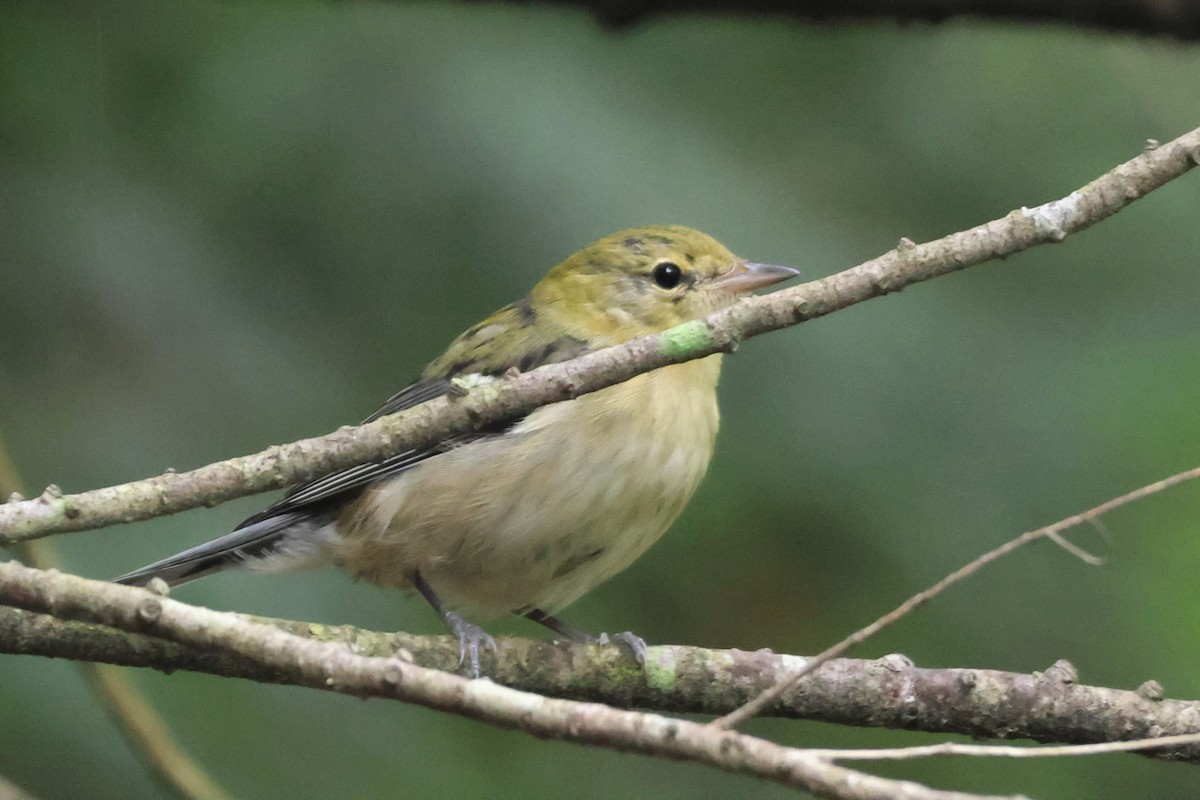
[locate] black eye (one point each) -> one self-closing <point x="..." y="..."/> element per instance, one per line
<point x="667" y="275"/>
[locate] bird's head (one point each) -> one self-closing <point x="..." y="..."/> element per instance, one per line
<point x="645" y="280"/>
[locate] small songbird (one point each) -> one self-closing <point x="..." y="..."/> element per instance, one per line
<point x="525" y="516"/>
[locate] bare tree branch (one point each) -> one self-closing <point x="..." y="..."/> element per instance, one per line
<point x="890" y="692"/>
<point x="909" y="263"/>
<point x="1179" y="19"/>
<point x="335" y="667"/>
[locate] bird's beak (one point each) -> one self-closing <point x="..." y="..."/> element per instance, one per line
<point x="748" y="276"/>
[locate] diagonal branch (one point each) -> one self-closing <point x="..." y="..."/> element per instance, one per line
<point x="908" y="264"/>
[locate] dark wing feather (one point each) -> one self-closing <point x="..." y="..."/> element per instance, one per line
<point x="320" y="492"/>
<point x="409" y="396"/>
<point x="248" y="542"/>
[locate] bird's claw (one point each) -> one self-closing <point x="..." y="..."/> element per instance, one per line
<point x="470" y="637"/>
<point x="635" y="643"/>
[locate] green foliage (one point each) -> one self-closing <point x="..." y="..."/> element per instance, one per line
<point x="227" y="225"/>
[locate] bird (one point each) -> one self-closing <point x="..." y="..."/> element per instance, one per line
<point x="527" y="515"/>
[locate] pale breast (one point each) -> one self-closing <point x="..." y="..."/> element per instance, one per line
<point x="537" y="517"/>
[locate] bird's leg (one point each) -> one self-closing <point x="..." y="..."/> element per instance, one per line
<point x="558" y="626"/>
<point x="635" y="643"/>
<point x="470" y="636"/>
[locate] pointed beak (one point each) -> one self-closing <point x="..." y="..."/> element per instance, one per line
<point x="748" y="276"/>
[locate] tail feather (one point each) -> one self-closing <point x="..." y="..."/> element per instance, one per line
<point x="255" y="541"/>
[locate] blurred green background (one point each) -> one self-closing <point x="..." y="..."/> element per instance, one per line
<point x="229" y="225"/>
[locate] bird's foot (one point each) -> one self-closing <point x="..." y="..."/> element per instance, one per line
<point x="470" y="637"/>
<point x="635" y="643"/>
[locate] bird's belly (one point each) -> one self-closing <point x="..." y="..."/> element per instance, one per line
<point x="540" y="515"/>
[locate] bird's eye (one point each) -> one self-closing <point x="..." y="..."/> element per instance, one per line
<point x="667" y="275"/>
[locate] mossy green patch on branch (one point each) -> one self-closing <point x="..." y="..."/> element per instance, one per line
<point x="661" y="669"/>
<point x="686" y="340"/>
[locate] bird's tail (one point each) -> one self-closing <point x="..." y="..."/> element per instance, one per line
<point x="277" y="542"/>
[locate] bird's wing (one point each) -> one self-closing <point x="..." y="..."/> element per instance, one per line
<point x="505" y="340"/>
<point x="308" y="507"/>
<point x="316" y="494"/>
<point x="511" y="346"/>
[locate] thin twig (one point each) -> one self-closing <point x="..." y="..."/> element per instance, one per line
<point x="1009" y="751"/>
<point x="772" y="695"/>
<point x="514" y="396"/>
